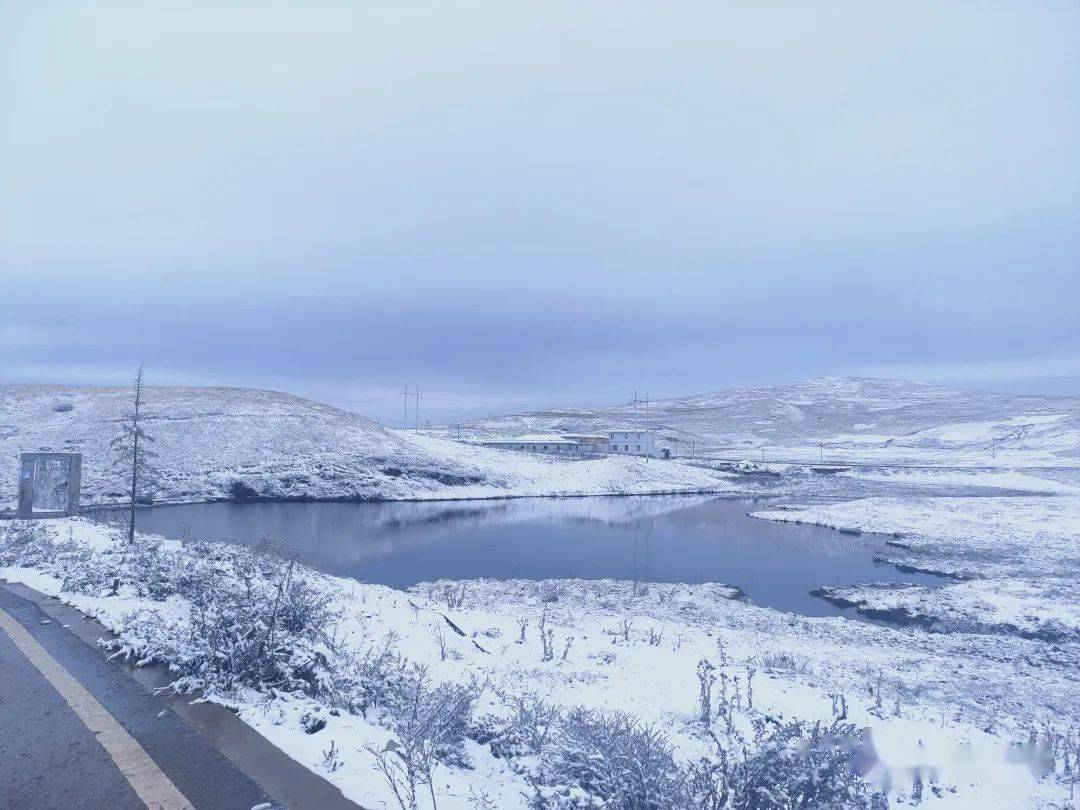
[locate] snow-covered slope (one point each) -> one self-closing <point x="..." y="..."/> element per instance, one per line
<point x="243" y="443"/>
<point x="849" y="416"/>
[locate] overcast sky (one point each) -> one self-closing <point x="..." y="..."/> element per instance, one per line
<point x="524" y="204"/>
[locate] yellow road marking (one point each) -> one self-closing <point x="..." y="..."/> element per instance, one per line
<point x="147" y="780"/>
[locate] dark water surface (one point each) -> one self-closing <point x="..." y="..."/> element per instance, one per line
<point x="670" y="538"/>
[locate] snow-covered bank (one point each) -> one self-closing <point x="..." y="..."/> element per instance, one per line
<point x="947" y="717"/>
<point x="1043" y="482"/>
<point x="1021" y="556"/>
<point x="243" y="444"/>
<point x="1048" y="609"/>
<point x="962" y="537"/>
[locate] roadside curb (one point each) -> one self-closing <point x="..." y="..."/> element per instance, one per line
<point x="286" y="780"/>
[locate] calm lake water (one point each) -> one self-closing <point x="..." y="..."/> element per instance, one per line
<point x="656" y="538"/>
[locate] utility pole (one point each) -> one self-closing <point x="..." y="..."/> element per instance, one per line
<point x="405" y="398"/>
<point x="637" y="424"/>
<point x="821" y="451"/>
<point x="416" y="416"/>
<point x="646" y="427"/>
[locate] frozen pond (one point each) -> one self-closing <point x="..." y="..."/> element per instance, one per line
<point x="659" y="538"/>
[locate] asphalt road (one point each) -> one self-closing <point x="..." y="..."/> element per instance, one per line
<point x="50" y="759"/>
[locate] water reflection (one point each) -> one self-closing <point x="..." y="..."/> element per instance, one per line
<point x="691" y="538"/>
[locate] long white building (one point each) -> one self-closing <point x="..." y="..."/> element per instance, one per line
<point x="621" y="442"/>
<point x="537" y="443"/>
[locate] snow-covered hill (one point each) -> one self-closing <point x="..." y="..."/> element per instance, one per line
<point x="236" y="443"/>
<point x="857" y="417"/>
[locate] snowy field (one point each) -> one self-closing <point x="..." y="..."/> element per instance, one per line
<point x="507" y="694"/>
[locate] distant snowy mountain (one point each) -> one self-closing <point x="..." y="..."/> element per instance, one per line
<point x="237" y="444"/>
<point x="853" y="415"/>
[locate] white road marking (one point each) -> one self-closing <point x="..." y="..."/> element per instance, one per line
<point x="147" y="780"/>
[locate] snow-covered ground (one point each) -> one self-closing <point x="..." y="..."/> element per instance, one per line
<point x="962" y="718"/>
<point x="242" y="444"/>
<point x="964" y="537"/>
<point x="1046" y="482"/>
<point x="1019" y="557"/>
<point x="1048" y="608"/>
<point x="837" y="419"/>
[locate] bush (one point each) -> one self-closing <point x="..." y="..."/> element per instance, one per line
<point x="793" y="764"/>
<point x="430" y="725"/>
<point x="524" y="732"/>
<point x="153" y="570"/>
<point x="254" y="620"/>
<point x="82" y="570"/>
<point x="376" y="678"/>
<point x="25" y="543"/>
<point x="605" y="759"/>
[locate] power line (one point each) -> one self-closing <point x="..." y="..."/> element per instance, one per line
<point x="467" y="401"/>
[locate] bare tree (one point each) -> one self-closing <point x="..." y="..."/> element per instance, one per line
<point x="131" y="451"/>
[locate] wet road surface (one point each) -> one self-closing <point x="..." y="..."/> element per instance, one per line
<point x="50" y="759"/>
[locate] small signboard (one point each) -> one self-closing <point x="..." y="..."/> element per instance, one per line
<point x="49" y="484"/>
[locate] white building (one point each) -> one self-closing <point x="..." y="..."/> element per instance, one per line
<point x="536" y="444"/>
<point x="589" y="443"/>
<point x="622" y="442"/>
<point x="632" y="443"/>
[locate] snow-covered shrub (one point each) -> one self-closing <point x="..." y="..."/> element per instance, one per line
<point x="376" y="678"/>
<point x="144" y="568"/>
<point x="706" y="678"/>
<point x="454" y="595"/>
<point x="303" y="607"/>
<point x="332" y="758"/>
<point x="524" y="732"/>
<point x="792" y="764"/>
<point x="1051" y="751"/>
<point x="251" y="621"/>
<point x="430" y="729"/>
<point x="25" y="543"/>
<point x="606" y="759"/>
<point x="312" y="721"/>
<point x="153" y="570"/>
<point x="783" y="662"/>
<point x="551" y="590"/>
<point x="84" y="570"/>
